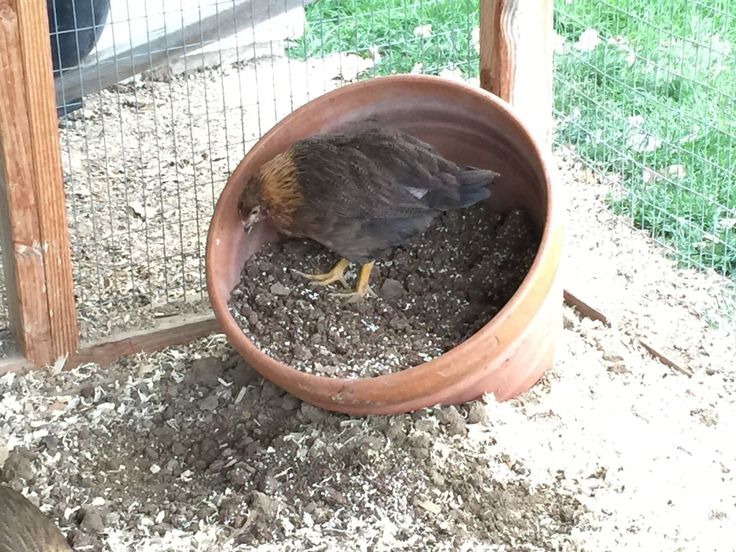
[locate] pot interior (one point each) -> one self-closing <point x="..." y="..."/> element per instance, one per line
<point x="465" y="127"/>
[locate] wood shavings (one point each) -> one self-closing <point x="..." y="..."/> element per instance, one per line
<point x="546" y="471"/>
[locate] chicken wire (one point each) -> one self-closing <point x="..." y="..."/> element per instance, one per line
<point x="645" y="93"/>
<point x="174" y="95"/>
<point x="5" y="338"/>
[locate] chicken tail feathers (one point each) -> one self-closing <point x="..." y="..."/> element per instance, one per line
<point x="467" y="187"/>
<point x="473" y="185"/>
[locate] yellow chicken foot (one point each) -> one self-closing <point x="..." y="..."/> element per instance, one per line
<point x="337" y="274"/>
<point x="362" y="289"/>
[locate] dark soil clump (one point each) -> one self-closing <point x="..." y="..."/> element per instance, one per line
<point x="434" y="292"/>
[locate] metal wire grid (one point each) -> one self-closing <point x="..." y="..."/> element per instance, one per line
<point x="4" y="334"/>
<point x="645" y="93"/>
<point x="145" y="160"/>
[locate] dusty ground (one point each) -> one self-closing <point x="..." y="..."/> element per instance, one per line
<point x="188" y="449"/>
<point x="434" y="292"/>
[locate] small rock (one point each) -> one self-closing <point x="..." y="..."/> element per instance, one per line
<point x="205" y="371"/>
<point x="312" y="413"/>
<point x="151" y="453"/>
<point x="438" y="480"/>
<point x="398" y="323"/>
<point x="252" y="317"/>
<point x="168" y="413"/>
<point x="204" y="513"/>
<point x="567" y="514"/>
<point x="17" y="467"/>
<point x="290" y="402"/>
<point x="325" y="370"/>
<point x="335" y="497"/>
<point x="51" y="443"/>
<point x="265" y="266"/>
<point x="83" y="541"/>
<point x="396" y="431"/>
<point x="300" y="352"/>
<point x="172" y="467"/>
<point x="178" y="449"/>
<point x="477" y="414"/>
<point x="425" y="424"/>
<point x="454" y="421"/>
<point x="208" y="449"/>
<point x="112" y="519"/>
<point x="280" y="289"/>
<point x="243" y="374"/>
<point x="238" y="475"/>
<point x="88" y="391"/>
<point x="429" y="506"/>
<point x="209" y="403"/>
<point x="270" y="391"/>
<point x="216" y="465"/>
<point x="268" y="483"/>
<point x="391" y="289"/>
<point x="91" y="521"/>
<point x="253" y="271"/>
<point x="264" y="504"/>
<point x="421" y="440"/>
<point x="413" y="284"/>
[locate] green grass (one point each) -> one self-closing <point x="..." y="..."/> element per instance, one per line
<point x="663" y="64"/>
<point x="666" y="64"/>
<point x="358" y="25"/>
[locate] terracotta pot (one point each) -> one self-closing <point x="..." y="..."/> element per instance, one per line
<point x="512" y="351"/>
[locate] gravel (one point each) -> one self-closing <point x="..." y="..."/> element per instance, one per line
<point x="434" y="292"/>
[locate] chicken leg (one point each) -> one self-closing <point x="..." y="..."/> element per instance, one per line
<point x="362" y="289"/>
<point x="337" y="274"/>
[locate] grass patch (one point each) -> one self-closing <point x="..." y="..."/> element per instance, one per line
<point x="358" y="26"/>
<point x="657" y="95"/>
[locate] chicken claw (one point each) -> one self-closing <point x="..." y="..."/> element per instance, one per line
<point x="362" y="290"/>
<point x="355" y="296"/>
<point x="337" y="274"/>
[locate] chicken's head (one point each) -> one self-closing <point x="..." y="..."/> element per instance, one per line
<point x="249" y="205"/>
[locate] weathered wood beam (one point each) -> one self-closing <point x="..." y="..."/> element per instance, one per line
<point x="516" y="48"/>
<point x="33" y="221"/>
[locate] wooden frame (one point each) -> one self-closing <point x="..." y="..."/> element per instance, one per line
<point x="35" y="235"/>
<point x="516" y="58"/>
<point x="177" y="330"/>
<point x="515" y="64"/>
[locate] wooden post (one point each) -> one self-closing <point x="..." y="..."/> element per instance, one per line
<point x="33" y="221"/>
<point x="516" y="47"/>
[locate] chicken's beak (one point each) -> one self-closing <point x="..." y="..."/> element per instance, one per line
<point x="251" y="220"/>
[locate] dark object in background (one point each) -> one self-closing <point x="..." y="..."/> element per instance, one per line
<point x="24" y="528"/>
<point x="74" y="28"/>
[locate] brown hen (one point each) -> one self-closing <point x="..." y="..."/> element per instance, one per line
<point x="359" y="194"/>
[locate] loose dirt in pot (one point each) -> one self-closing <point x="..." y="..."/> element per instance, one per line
<point x="434" y="292"/>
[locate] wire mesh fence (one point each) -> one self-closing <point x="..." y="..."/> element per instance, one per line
<point x="175" y="93"/>
<point x="169" y="98"/>
<point x="645" y="92"/>
<point x="5" y="339"/>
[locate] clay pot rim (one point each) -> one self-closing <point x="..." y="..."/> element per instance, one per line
<point x="548" y="247"/>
